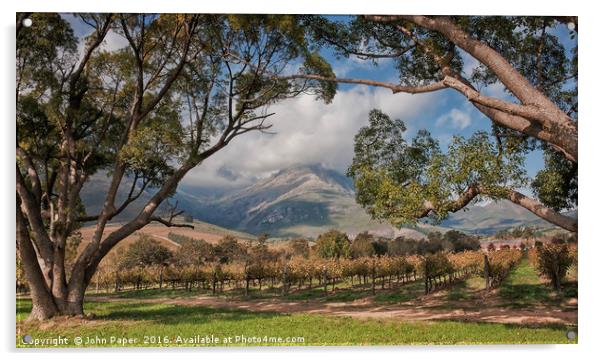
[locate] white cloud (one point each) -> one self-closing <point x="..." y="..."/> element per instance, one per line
<point x="497" y="90"/>
<point x="455" y="118"/>
<point x="345" y="66"/>
<point x="114" y="41"/>
<point x="307" y="132"/>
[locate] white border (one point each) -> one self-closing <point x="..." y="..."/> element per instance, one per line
<point x="590" y="174"/>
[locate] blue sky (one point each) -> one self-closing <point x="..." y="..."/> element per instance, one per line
<point x="308" y="131"/>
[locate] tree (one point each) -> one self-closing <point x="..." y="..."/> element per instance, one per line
<point x="462" y="242"/>
<point x="437" y="242"/>
<point x="333" y="244"/>
<point x="299" y="247"/>
<point x="193" y="252"/>
<point x="145" y="115"/>
<point x="403" y="181"/>
<point x="228" y="250"/>
<point x="381" y="246"/>
<point x="362" y="245"/>
<point x="259" y="252"/>
<point x="145" y="252"/>
<point x="402" y="246"/>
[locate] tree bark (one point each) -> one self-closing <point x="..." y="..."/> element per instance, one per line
<point x="568" y="223"/>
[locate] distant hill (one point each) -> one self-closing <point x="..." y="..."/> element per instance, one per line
<point x="202" y="230"/>
<point x="95" y="190"/>
<point x="491" y="216"/>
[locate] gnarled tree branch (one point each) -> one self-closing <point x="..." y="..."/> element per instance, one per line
<point x="530" y="204"/>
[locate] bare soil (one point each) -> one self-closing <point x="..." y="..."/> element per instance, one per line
<point x="483" y="307"/>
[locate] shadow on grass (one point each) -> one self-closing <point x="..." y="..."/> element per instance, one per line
<point x="305" y="295"/>
<point x="526" y="295"/>
<point x="174" y="314"/>
<point x="459" y="292"/>
<point x="154" y="293"/>
<point x="405" y="293"/>
<point x="135" y="319"/>
<point x="346" y="296"/>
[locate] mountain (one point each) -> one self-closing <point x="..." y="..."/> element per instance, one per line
<point x="94" y="192"/>
<point x="306" y="201"/>
<point x="491" y="216"/>
<point x="298" y="201"/>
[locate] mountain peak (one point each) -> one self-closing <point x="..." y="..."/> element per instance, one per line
<point x="314" y="175"/>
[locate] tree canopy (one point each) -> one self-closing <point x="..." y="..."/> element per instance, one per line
<point x="403" y="181"/>
<point x="145" y="252"/>
<point x="524" y="54"/>
<point x="333" y="244"/>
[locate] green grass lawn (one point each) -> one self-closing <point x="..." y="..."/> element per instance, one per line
<point x="135" y="320"/>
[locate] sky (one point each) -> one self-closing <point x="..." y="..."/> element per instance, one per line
<point x="307" y="131"/>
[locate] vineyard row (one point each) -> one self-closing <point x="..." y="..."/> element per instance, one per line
<point x="436" y="270"/>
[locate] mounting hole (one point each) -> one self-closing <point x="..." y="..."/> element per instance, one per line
<point x="571" y="26"/>
<point x="27" y="339"/>
<point x="27" y="22"/>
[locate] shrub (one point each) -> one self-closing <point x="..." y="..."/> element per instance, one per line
<point x="299" y="248"/>
<point x="145" y="252"/>
<point x="553" y="262"/>
<point x="363" y="245"/>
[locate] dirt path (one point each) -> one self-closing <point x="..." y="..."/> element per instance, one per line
<point x="432" y="307"/>
<point x="175" y="244"/>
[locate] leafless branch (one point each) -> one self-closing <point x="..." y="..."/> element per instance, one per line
<point x="169" y="221"/>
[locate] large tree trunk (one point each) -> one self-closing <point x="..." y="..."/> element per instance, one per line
<point x="43" y="305"/>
